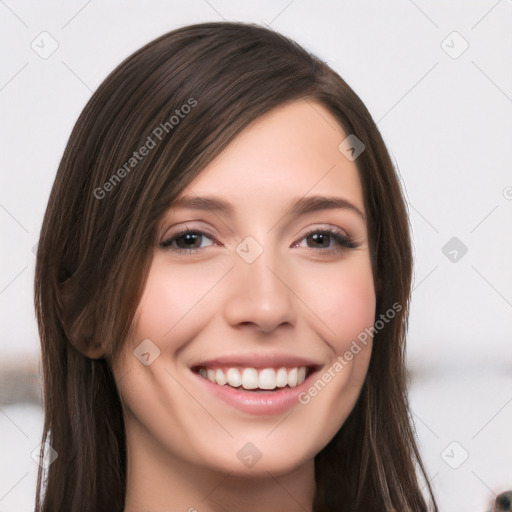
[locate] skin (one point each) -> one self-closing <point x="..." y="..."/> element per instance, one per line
<point x="295" y="298"/>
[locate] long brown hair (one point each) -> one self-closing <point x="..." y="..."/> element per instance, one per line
<point x="99" y="231"/>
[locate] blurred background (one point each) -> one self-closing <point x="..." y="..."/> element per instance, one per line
<point x="435" y="75"/>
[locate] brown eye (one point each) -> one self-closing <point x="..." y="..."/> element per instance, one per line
<point x="188" y="241"/>
<point x="321" y="240"/>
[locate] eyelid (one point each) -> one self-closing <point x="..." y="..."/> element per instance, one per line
<point x="185" y="228"/>
<point x="343" y="241"/>
<point x="324" y="227"/>
<point x="320" y="226"/>
<point x="167" y="239"/>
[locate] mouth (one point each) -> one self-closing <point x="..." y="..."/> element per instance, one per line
<point x="255" y="380"/>
<point x="263" y="386"/>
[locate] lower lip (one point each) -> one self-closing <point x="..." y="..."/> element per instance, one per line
<point x="273" y="402"/>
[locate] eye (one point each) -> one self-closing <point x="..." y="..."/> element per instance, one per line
<point x="187" y="241"/>
<point x="326" y="235"/>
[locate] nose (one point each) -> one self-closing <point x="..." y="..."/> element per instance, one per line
<point x="261" y="294"/>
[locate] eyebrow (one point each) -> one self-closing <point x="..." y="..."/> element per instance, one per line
<point x="298" y="206"/>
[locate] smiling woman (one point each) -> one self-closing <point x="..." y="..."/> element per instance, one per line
<point x="236" y="270"/>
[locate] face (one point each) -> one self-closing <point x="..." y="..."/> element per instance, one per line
<point x="240" y="355"/>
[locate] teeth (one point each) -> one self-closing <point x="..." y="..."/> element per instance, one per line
<point x="234" y="378"/>
<point x="267" y="379"/>
<point x="292" y="377"/>
<point x="281" y="378"/>
<point x="220" y="378"/>
<point x="250" y="378"/>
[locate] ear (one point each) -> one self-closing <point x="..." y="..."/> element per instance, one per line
<point x="77" y="314"/>
<point x="90" y="350"/>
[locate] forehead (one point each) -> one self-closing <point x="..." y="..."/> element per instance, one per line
<point x="291" y="152"/>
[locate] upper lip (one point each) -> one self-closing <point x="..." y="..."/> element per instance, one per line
<point x="258" y="360"/>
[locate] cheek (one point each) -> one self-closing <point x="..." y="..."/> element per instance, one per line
<point x="173" y="301"/>
<point x="343" y="298"/>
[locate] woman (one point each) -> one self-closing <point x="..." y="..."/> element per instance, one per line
<point x="252" y="369"/>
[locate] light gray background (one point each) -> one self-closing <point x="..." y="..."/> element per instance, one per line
<point x="445" y="115"/>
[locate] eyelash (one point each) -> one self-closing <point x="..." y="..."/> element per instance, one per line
<point x="344" y="241"/>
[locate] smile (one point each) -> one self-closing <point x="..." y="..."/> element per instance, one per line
<point x="265" y="379"/>
<point x="256" y="384"/>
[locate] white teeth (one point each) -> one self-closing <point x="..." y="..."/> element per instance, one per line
<point x="301" y="375"/>
<point x="281" y="378"/>
<point x="234" y="378"/>
<point x="267" y="379"/>
<point x="250" y="378"/>
<point x="220" y="378"/>
<point x="292" y="377"/>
